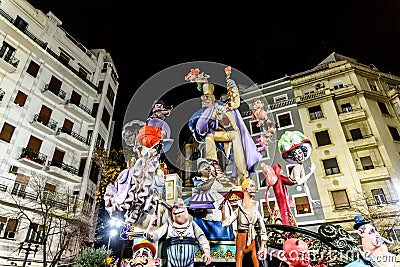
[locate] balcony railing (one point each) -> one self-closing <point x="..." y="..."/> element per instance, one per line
<point x="73" y="134"/>
<point x="316" y="115"/>
<point x="34" y="155"/>
<point x="63" y="166"/>
<point x="84" y="108"/>
<point x="282" y="104"/>
<point x="50" y="123"/>
<point x="58" y="92"/>
<point x="10" y="60"/>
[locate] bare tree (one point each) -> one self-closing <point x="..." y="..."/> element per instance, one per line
<point x="383" y="213"/>
<point x="53" y="220"/>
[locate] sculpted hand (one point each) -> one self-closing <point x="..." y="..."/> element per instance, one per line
<point x="231" y="83"/>
<point x="207" y="258"/>
<point x="312" y="168"/>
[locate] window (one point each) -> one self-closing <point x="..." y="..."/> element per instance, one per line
<point x="7" y="132"/>
<point x="367" y="163"/>
<point x="33" y="68"/>
<point x="265" y="207"/>
<point x="395" y="133"/>
<point x="34" y="143"/>
<point x="58" y="158"/>
<point x="372" y="85"/>
<point x="100" y="142"/>
<point x="6" y="52"/>
<point x="95" y="109"/>
<point x="105" y="117"/>
<point x="82" y="73"/>
<point x="309" y="91"/>
<point x="254" y="128"/>
<point x="64" y="58"/>
<point x="35" y="233"/>
<point x="48" y="193"/>
<point x="302" y="205"/>
<point x="10" y="227"/>
<point x="323" y="138"/>
<point x="280" y="98"/>
<point x="393" y="234"/>
<point x="87" y="204"/>
<point x="383" y="108"/>
<point x="110" y="95"/>
<point x="82" y="165"/>
<point x="356" y="134"/>
<point x="20" y="99"/>
<point x="18" y="189"/>
<point x="20" y="23"/>
<point x="315" y="112"/>
<point x="338" y="85"/>
<point x="379" y="196"/>
<point x="285" y="120"/>
<point x="346" y="107"/>
<point x="94" y="173"/>
<point x="75" y="98"/>
<point x="331" y="166"/>
<point x="397" y="108"/>
<point x="340" y="199"/>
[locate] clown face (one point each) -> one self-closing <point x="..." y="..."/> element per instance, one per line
<point x="251" y="188"/>
<point x="257" y="104"/>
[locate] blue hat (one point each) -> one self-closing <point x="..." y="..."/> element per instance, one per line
<point x="358" y="221"/>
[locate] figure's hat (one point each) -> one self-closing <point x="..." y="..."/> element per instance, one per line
<point x="208" y="89"/>
<point x="145" y="244"/>
<point x="359" y="220"/>
<point x="201" y="161"/>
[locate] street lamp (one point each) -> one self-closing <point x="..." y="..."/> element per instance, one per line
<point x="28" y="249"/>
<point x="114" y="224"/>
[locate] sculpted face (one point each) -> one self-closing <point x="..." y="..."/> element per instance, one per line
<point x="180" y="213"/>
<point x="207" y="101"/>
<point x="205" y="170"/>
<point x="142" y="258"/>
<point x="251" y="188"/>
<point x="257" y="104"/>
<point x="371" y="239"/>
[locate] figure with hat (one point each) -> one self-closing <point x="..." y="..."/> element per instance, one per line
<point x="144" y="255"/>
<point x="205" y="202"/>
<point x="374" y="250"/>
<point x="296" y="148"/>
<point x="181" y="234"/>
<point x="159" y="110"/>
<point x="247" y="215"/>
<point x="220" y="126"/>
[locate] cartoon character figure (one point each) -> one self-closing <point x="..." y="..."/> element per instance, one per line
<point x="220" y="122"/>
<point x="278" y="181"/>
<point x="374" y="250"/>
<point x="247" y="216"/>
<point x="296" y="252"/>
<point x="181" y="235"/>
<point x="296" y="148"/>
<point x="144" y="255"/>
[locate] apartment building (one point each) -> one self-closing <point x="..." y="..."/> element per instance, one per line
<point x="350" y="111"/>
<point x="56" y="104"/>
<point x="281" y="104"/>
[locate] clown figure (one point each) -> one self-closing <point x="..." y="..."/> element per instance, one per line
<point x="296" y="148"/>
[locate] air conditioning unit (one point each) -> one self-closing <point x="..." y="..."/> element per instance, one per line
<point x="13" y="169"/>
<point x="319" y="85"/>
<point x="10" y="235"/>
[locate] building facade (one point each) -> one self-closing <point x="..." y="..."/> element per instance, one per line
<point x="281" y="104"/>
<point x="57" y="102"/>
<point x="350" y="111"/>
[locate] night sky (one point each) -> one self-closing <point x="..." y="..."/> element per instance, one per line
<point x="265" y="42"/>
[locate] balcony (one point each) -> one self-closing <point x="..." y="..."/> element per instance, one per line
<point x="48" y="126"/>
<point x="56" y="95"/>
<point x="63" y="171"/>
<point x="80" y="110"/>
<point x="377" y="173"/>
<point x="9" y="64"/>
<point x="346" y="90"/>
<point x="311" y="96"/>
<point x="282" y="104"/>
<point x="2" y="93"/>
<point x="365" y="142"/>
<point x="32" y="157"/>
<point x="352" y="115"/>
<point x="73" y="139"/>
